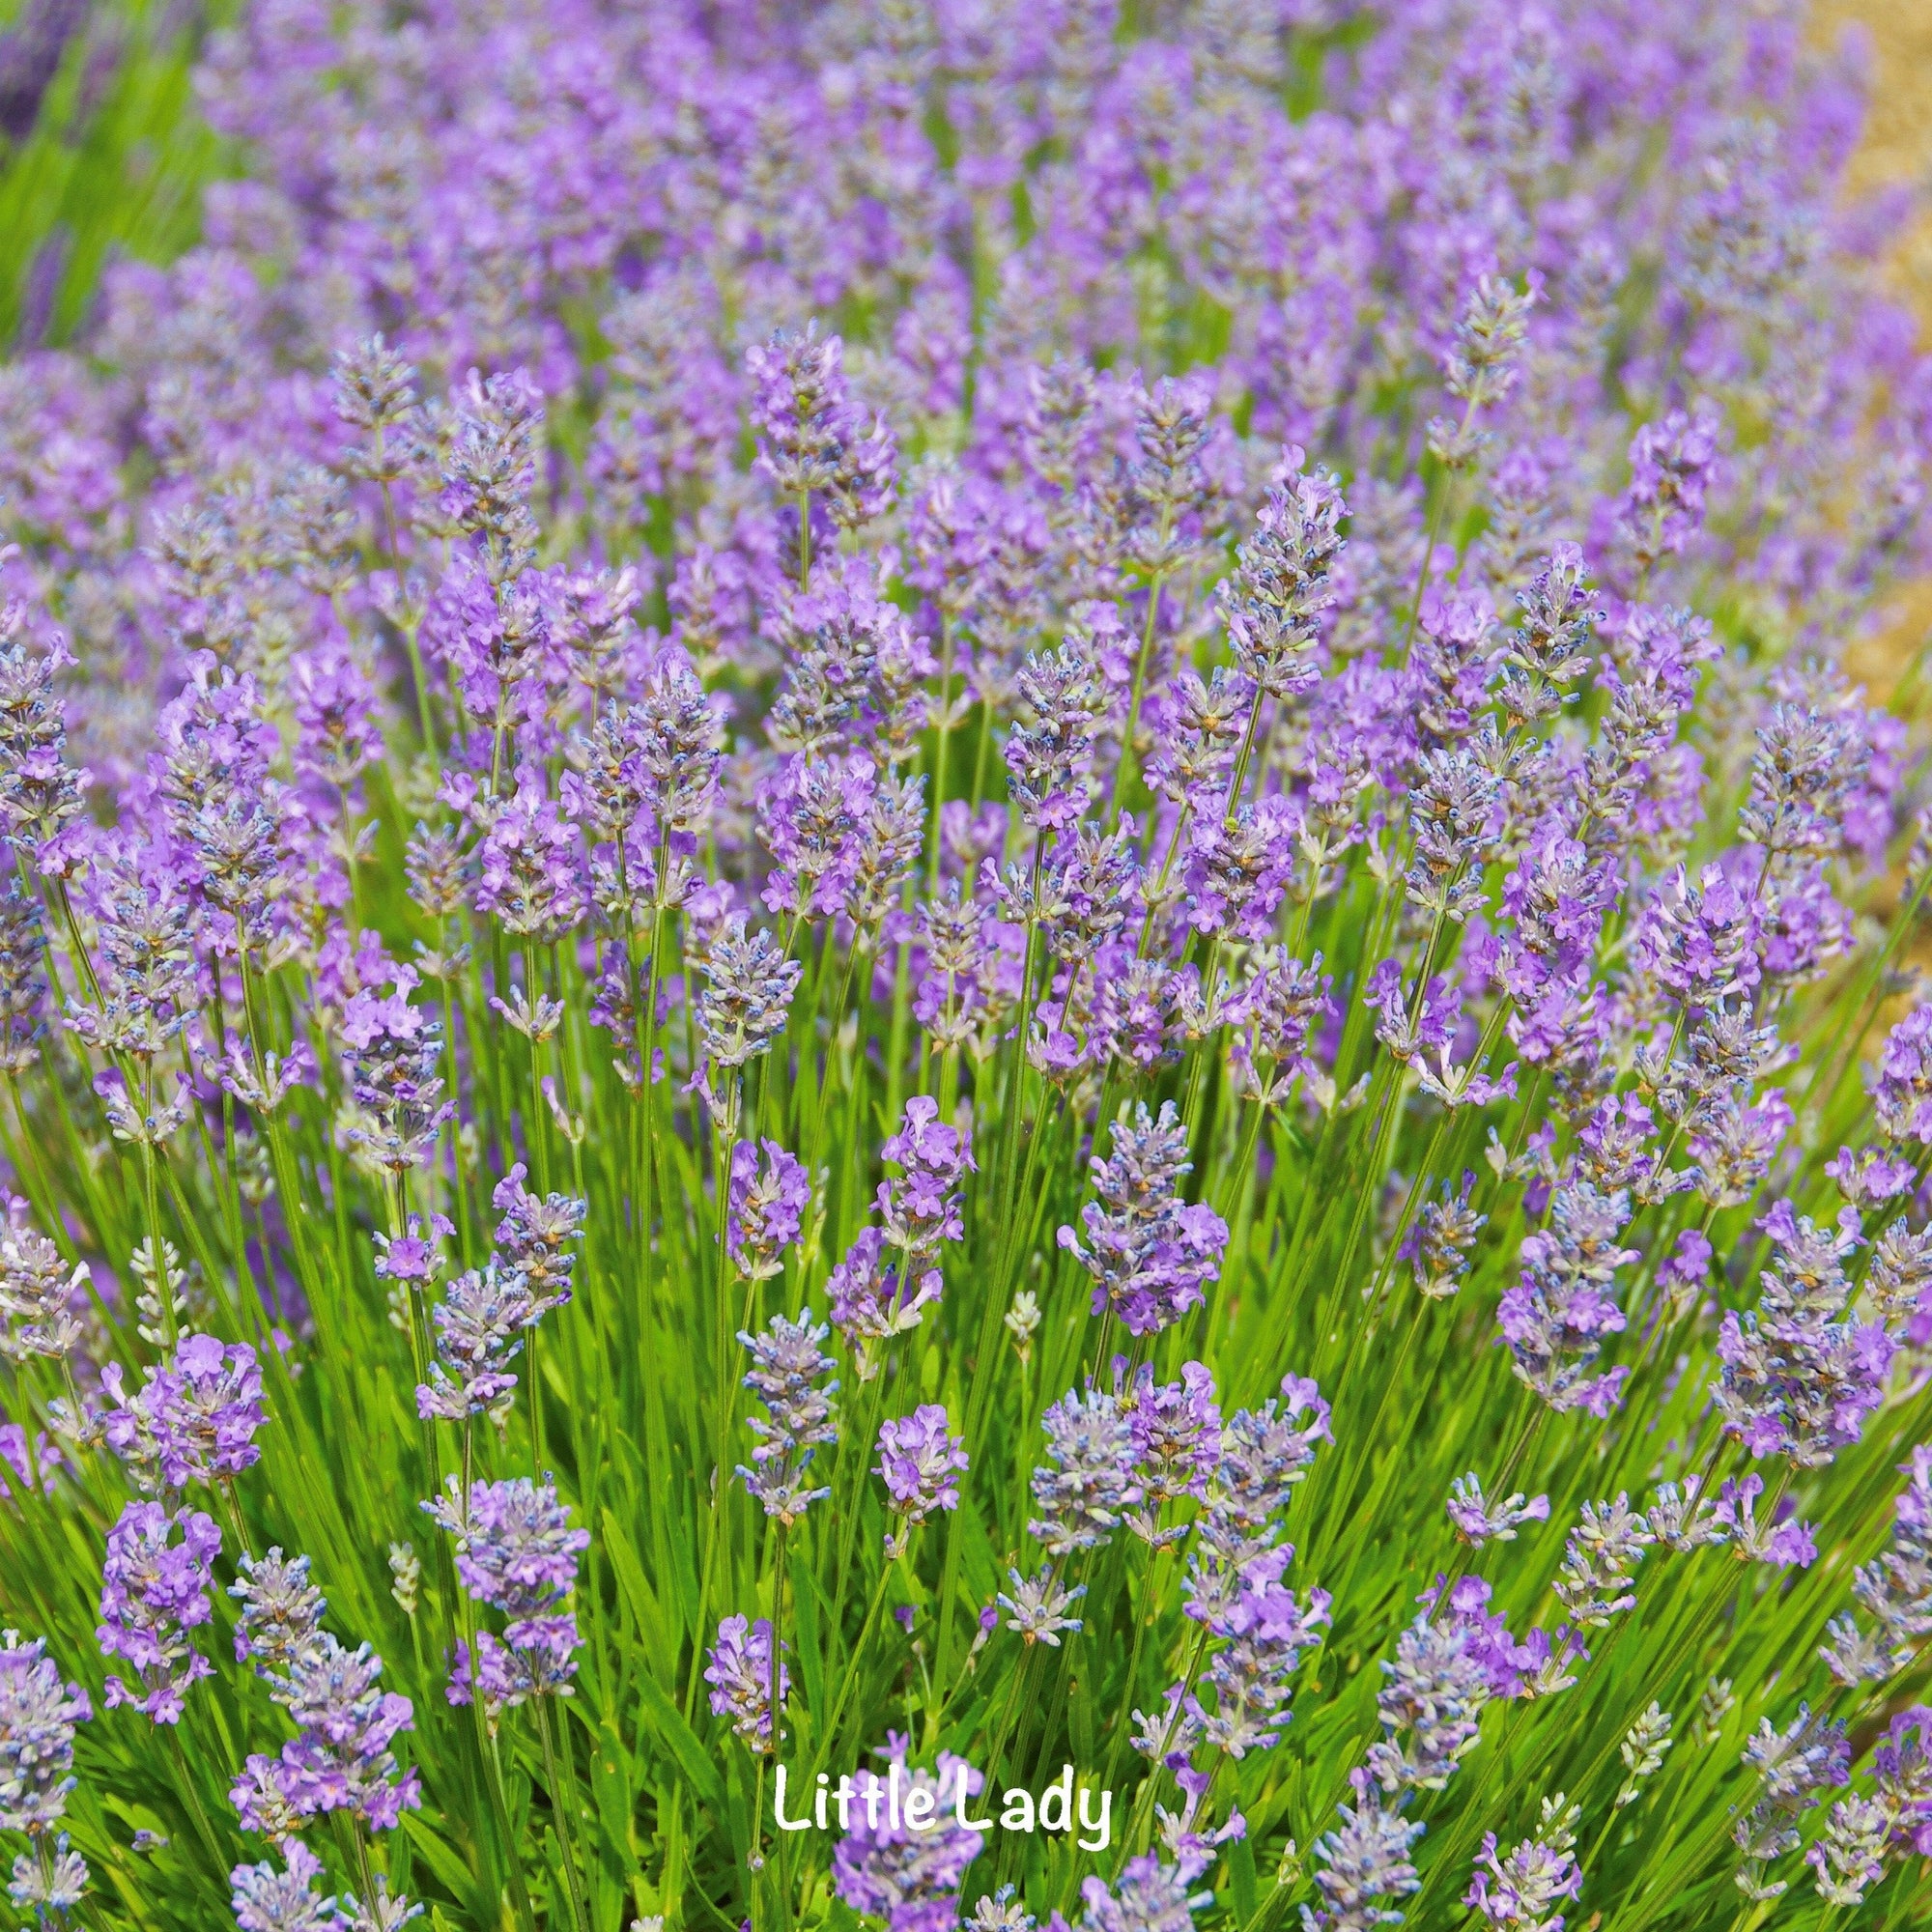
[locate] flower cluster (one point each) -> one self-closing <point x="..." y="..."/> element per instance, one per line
<point x="516" y="1552"/>
<point x="1149" y="1251"/>
<point x="153" y="1591"/>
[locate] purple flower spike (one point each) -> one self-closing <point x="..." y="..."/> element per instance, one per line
<point x="517" y="1551"/>
<point x="1151" y="1252"/>
<point x="811" y="438"/>
<point x="920" y="1207"/>
<point x="267" y="1900"/>
<point x="537" y="1238"/>
<point x="789" y="1375"/>
<point x="884" y="1868"/>
<point x="1800" y="1372"/>
<point x="38" y="1715"/>
<point x="767" y="1208"/>
<point x="480" y="1324"/>
<point x="153" y="1591"/>
<point x="1150" y="1896"/>
<point x="738" y="1667"/>
<point x="918" y="1458"/>
<point x="195" y="1419"/>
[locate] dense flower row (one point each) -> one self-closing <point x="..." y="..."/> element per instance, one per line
<point x="842" y="838"/>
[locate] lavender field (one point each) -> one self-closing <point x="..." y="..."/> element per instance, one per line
<point x="953" y="977"/>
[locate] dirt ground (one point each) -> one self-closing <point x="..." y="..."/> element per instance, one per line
<point x="1897" y="147"/>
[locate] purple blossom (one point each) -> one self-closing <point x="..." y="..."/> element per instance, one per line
<point x="38" y="1290"/>
<point x="153" y="1591"/>
<point x="1281" y="586"/>
<point x="530" y="873"/>
<point x="1556" y="1319"/>
<point x="1275" y="1012"/>
<point x="873" y="1300"/>
<point x="920" y="1207"/>
<point x="504" y="1686"/>
<point x="1049" y="760"/>
<point x="1149" y="1251"/>
<point x="1433" y="1027"/>
<point x="1902" y="1081"/>
<point x="1036" y="1609"/>
<point x="812" y="814"/>
<point x="1509" y="1666"/>
<point x="480" y="1325"/>
<point x="1090" y="1478"/>
<point x="1672" y="464"/>
<point x="1784" y="1542"/>
<point x="1177" y="1442"/>
<point x="1438" y="1246"/>
<point x="1264" y="1631"/>
<point x="749" y="987"/>
<point x="1687" y="1267"/>
<point x="1869" y="1177"/>
<point x="335" y="716"/>
<point x="1799" y="1373"/>
<point x="341" y="1758"/>
<point x="1808" y="764"/>
<point x="789" y="1375"/>
<point x="1903" y="1765"/>
<point x="810" y="439"/>
<point x="395" y="1053"/>
<point x="1431" y="1703"/>
<point x="1701" y="941"/>
<point x="1895" y="1589"/>
<point x="1239" y="864"/>
<point x="767" y="1210"/>
<point x="918" y="1459"/>
<point x="738" y="1667"/>
<point x="1600" y="1558"/>
<point x="1518" y="1888"/>
<point x="1794" y="1765"/>
<point x="1149" y="1896"/>
<point x="884" y="1868"/>
<point x="39" y="790"/>
<point x="1266" y="1451"/>
<point x="517" y="1551"/>
<point x="267" y="1900"/>
<point x="413" y="1259"/>
<point x="38" y="1717"/>
<point x="1478" y="1520"/>
<point x="537" y="1238"/>
<point x="280" y="1610"/>
<point x="194" y="1419"/>
<point x="1364" y="1861"/>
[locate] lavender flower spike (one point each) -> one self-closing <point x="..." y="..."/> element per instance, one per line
<point x="1364" y="1862"/>
<point x="789" y="1375"/>
<point x="919" y="1462"/>
<point x="1519" y="1890"/>
<point x="153" y="1591"/>
<point x="1478" y="1522"/>
<point x="267" y="1900"/>
<point x="749" y="986"/>
<point x="1151" y="1252"/>
<point x="767" y="1208"/>
<point x="738" y="1668"/>
<point x="480" y="1324"/>
<point x="910" y="1877"/>
<point x="517" y="1551"/>
<point x="38" y="1715"/>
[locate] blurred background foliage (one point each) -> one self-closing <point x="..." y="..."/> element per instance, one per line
<point x="101" y="152"/>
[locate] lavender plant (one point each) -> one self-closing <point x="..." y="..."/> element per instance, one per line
<point x="955" y="975"/>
